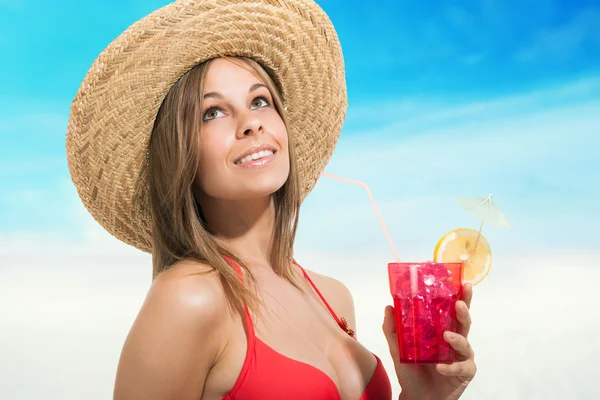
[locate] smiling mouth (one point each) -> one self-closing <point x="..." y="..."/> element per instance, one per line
<point x="255" y="156"/>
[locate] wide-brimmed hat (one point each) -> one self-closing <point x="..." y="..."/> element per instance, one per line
<point x="113" y="112"/>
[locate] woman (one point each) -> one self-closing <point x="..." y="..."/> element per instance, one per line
<point x="232" y="134"/>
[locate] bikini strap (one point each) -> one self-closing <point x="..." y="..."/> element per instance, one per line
<point x="340" y="321"/>
<point x="249" y="323"/>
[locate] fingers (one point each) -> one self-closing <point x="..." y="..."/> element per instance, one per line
<point x="464" y="318"/>
<point x="389" y="330"/>
<point x="462" y="310"/>
<point x="467" y="294"/>
<point x="460" y="344"/>
<point x="463" y="370"/>
<point x="389" y="324"/>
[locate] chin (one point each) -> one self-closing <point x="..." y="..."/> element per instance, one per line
<point x="264" y="188"/>
<point x="262" y="184"/>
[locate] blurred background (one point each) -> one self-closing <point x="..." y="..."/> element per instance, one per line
<point x="447" y="99"/>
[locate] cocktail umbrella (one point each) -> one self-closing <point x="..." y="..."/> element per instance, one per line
<point x="485" y="210"/>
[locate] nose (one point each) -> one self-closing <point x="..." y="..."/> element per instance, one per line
<point x="250" y="125"/>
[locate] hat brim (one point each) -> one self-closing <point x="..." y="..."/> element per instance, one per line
<point x="114" y="109"/>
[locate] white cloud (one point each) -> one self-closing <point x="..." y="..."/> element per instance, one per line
<point x="412" y="116"/>
<point x="540" y="166"/>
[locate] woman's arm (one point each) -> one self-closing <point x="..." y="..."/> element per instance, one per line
<point x="174" y="340"/>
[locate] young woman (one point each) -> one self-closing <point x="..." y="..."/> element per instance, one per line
<point x="231" y="139"/>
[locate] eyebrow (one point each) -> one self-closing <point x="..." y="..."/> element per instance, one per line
<point x="218" y="95"/>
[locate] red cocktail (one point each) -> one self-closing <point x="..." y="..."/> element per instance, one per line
<point x="425" y="296"/>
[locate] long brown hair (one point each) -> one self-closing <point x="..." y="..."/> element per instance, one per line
<point x="179" y="231"/>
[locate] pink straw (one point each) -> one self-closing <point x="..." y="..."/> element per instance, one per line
<point x="364" y="185"/>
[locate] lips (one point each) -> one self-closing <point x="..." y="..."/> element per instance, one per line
<point x="255" y="152"/>
<point x="255" y="156"/>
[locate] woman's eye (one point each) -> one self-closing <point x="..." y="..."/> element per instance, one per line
<point x="212" y="112"/>
<point x="261" y="98"/>
<point x="209" y="112"/>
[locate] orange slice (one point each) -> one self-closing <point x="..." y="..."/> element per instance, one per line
<point x="459" y="245"/>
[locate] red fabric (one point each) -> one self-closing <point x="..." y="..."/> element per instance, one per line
<point x="269" y="375"/>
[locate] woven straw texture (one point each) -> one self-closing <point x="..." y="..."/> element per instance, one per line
<point x="115" y="107"/>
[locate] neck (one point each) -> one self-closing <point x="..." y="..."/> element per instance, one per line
<point x="244" y="227"/>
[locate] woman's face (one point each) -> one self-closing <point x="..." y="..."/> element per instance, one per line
<point x="243" y="140"/>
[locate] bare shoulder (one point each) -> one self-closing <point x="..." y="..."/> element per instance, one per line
<point x="175" y="338"/>
<point x="338" y="296"/>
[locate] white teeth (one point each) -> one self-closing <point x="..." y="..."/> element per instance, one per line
<point x="255" y="156"/>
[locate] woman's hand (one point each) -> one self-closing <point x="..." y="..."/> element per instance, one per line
<point x="436" y="381"/>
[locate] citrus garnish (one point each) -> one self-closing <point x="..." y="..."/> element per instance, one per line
<point x="460" y="245"/>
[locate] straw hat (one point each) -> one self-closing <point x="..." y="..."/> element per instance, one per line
<point x="114" y="109"/>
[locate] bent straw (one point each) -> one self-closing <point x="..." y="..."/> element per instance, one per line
<point x="364" y="185"/>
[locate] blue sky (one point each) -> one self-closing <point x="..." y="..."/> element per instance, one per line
<point x="446" y="100"/>
<point x="433" y="73"/>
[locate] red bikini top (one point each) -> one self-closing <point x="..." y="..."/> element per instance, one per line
<point x="269" y="375"/>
